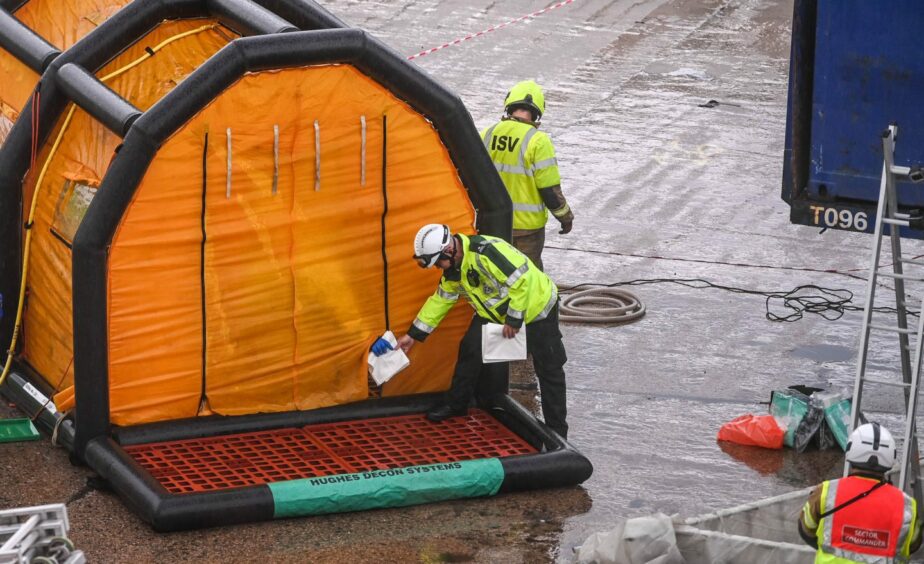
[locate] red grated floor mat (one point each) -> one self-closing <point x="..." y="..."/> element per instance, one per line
<point x="248" y="459"/>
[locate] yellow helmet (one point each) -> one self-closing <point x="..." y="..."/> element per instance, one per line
<point x="528" y="94"/>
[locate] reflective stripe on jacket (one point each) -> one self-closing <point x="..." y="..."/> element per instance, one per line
<point x="525" y="159"/>
<point x="876" y="529"/>
<point x="500" y="283"/>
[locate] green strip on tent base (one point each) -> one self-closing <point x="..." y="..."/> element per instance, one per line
<point x="394" y="487"/>
<point x="17" y="430"/>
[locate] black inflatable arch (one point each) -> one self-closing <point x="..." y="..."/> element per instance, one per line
<point x="250" y="54"/>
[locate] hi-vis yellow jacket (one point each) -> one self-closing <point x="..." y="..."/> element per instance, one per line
<point x="499" y="282"/>
<point x="525" y="159"/>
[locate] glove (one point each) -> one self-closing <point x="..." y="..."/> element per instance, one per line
<point x="566" y="226"/>
<point x="381" y="346"/>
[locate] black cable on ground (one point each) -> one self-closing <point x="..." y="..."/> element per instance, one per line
<point x="829" y="303"/>
<point x="848" y="273"/>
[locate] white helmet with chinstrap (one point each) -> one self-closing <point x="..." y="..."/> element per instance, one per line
<point x="430" y="243"/>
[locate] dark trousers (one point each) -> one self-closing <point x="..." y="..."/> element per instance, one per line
<point x="472" y="378"/>
<point x="530" y="243"/>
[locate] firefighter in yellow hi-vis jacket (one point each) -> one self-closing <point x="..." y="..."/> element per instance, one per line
<point x="525" y="159"/>
<point x="504" y="287"/>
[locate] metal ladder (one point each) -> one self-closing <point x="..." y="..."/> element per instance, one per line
<point x="888" y="214"/>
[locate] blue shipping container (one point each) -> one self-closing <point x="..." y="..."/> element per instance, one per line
<point x="855" y="67"/>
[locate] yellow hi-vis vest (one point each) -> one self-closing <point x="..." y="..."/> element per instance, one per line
<point x="877" y="529"/>
<point x="500" y="283"/>
<point x="525" y="159"/>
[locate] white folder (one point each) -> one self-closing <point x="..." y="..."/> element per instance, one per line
<point x="496" y="348"/>
<point x="383" y="368"/>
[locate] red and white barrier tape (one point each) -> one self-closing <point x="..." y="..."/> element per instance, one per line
<point x="490" y="29"/>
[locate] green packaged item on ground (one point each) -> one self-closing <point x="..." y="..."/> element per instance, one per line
<point x="837" y="416"/>
<point x="16" y="430"/>
<point x="823" y="416"/>
<point x="790" y="407"/>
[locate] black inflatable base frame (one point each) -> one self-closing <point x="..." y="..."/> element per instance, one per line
<point x="557" y="464"/>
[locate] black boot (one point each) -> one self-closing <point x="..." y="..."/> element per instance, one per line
<point x="445" y="411"/>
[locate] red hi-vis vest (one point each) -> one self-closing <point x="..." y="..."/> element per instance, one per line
<point x="876" y="529"/>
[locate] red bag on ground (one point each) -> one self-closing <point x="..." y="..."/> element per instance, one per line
<point x="756" y="430"/>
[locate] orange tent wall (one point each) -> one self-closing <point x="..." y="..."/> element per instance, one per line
<point x="83" y="156"/>
<point x="19" y="81"/>
<point x="59" y="22"/>
<point x="293" y="280"/>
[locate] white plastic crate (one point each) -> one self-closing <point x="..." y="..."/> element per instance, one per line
<point x="36" y="535"/>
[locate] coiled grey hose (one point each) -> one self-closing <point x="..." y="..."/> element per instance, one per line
<point x="601" y="305"/>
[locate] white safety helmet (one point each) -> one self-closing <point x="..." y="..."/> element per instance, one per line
<point x="871" y="447"/>
<point x="429" y="244"/>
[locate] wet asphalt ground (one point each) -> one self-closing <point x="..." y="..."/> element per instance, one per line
<point x="662" y="188"/>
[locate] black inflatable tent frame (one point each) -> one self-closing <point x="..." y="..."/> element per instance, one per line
<point x="250" y="54"/>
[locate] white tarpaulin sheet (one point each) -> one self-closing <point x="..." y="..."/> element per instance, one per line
<point x="763" y="532"/>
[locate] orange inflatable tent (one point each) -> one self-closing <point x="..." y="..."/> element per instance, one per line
<point x="211" y="205"/>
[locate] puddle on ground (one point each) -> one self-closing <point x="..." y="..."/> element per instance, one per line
<point x="824" y="353"/>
